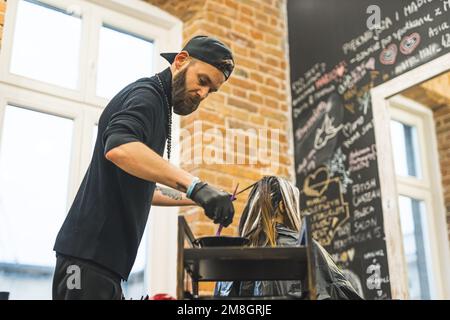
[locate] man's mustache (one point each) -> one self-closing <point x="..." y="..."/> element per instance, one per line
<point x="195" y="100"/>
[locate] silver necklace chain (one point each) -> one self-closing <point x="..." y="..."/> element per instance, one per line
<point x="169" y="122"/>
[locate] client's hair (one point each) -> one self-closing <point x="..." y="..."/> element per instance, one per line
<point x="270" y="199"/>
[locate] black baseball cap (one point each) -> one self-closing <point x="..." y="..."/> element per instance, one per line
<point x="209" y="50"/>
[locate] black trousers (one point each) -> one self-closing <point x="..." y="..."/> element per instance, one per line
<point x="78" y="279"/>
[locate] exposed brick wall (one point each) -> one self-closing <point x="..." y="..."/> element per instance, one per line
<point x="440" y="87"/>
<point x="442" y="120"/>
<point x="186" y="10"/>
<point x="256" y="95"/>
<point x="435" y="94"/>
<point x="2" y="18"/>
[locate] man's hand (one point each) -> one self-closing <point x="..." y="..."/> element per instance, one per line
<point x="217" y="204"/>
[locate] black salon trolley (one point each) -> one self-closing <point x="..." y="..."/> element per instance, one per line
<point x="240" y="264"/>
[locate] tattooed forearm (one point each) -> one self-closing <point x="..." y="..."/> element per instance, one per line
<point x="175" y="195"/>
<point x="165" y="197"/>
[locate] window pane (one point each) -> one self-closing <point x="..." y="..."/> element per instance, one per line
<point x="405" y="149"/>
<point x="123" y="58"/>
<point x="139" y="263"/>
<point x="35" y="155"/>
<point x="94" y="137"/>
<point x="46" y="45"/>
<point x="411" y="212"/>
<point x="135" y="288"/>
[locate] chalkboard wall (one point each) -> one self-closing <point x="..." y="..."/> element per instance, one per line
<point x="336" y="57"/>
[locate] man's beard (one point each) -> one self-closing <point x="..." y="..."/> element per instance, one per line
<point x="183" y="102"/>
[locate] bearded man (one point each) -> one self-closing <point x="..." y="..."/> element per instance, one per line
<point x="102" y="231"/>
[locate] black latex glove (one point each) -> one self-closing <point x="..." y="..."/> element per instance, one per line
<point x="216" y="203"/>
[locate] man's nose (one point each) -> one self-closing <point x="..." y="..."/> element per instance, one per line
<point x="203" y="92"/>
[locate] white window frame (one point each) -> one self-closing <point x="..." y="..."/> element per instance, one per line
<point x="82" y="105"/>
<point x="416" y="115"/>
<point x="388" y="182"/>
<point x="164" y="30"/>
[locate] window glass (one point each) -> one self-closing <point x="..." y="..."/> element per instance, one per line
<point x="35" y="154"/>
<point x="123" y="58"/>
<point x="406" y="149"/>
<point x="46" y="44"/>
<point x="411" y="212"/>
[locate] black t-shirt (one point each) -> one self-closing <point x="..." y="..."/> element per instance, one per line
<point x="108" y="216"/>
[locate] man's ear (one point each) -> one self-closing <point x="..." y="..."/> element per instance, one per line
<point x="181" y="59"/>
